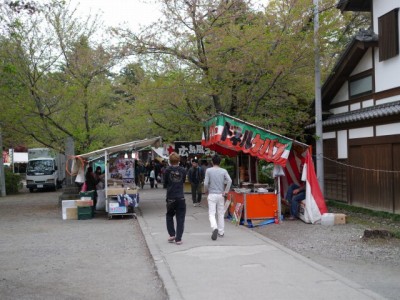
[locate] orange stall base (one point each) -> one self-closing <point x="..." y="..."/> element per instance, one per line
<point x="256" y="205"/>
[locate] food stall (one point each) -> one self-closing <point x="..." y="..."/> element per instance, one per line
<point x="233" y="137"/>
<point x="120" y="192"/>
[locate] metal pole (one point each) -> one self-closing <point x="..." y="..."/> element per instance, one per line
<point x="2" y="174"/>
<point x="318" y="100"/>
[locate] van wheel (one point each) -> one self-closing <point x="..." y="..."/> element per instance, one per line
<point x="31" y="190"/>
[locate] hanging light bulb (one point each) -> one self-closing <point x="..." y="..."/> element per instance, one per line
<point x="126" y="155"/>
<point x="133" y="155"/>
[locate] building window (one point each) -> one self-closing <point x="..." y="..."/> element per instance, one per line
<point x="389" y="35"/>
<point x="360" y="86"/>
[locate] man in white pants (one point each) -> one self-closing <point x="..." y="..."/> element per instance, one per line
<point x="217" y="183"/>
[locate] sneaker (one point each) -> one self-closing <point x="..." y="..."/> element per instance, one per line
<point x="178" y="242"/>
<point x="221" y="235"/>
<point x="214" y="234"/>
<point x="194" y="204"/>
<point x="171" y="239"/>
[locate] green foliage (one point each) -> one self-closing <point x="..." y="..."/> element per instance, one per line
<point x="57" y="77"/>
<point x="258" y="66"/>
<point x="265" y="172"/>
<point x="57" y="83"/>
<point x="229" y="165"/>
<point x="13" y="181"/>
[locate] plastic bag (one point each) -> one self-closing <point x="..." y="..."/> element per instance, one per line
<point x="101" y="200"/>
<point x="84" y="187"/>
<point x="80" y="178"/>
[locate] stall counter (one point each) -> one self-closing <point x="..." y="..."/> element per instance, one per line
<point x="255" y="205"/>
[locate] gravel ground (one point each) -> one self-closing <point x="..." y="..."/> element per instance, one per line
<point x="45" y="257"/>
<point x="371" y="262"/>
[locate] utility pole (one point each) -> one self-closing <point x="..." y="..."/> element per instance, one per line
<point x="2" y="174"/>
<point x="318" y="100"/>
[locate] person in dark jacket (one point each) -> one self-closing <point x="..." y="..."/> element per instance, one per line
<point x="196" y="178"/>
<point x="91" y="182"/>
<point x="175" y="177"/>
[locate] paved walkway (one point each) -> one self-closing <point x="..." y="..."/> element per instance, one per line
<point x="241" y="265"/>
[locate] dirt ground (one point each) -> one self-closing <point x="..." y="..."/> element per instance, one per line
<point x="45" y="257"/>
<point x="371" y="262"/>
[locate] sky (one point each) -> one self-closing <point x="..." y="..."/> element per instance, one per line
<point x="134" y="12"/>
<point x="116" y="12"/>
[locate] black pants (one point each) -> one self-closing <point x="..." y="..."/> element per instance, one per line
<point x="176" y="207"/>
<point x="196" y="192"/>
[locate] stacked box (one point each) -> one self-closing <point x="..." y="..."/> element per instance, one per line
<point x="85" y="212"/>
<point x="67" y="204"/>
<point x="84" y="202"/>
<point x="87" y="194"/>
<point x="117" y="210"/>
<point x="340" y="219"/>
<point x="72" y="213"/>
<point x="113" y="204"/>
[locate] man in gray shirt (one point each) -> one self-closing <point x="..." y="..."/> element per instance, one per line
<point x="217" y="183"/>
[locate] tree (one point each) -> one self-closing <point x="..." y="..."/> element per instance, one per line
<point x="59" y="81"/>
<point x="210" y="56"/>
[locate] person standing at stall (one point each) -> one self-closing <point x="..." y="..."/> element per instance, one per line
<point x="196" y="177"/>
<point x="175" y="177"/>
<point x="217" y="183"/>
<point x="142" y="174"/>
<point x="91" y="182"/>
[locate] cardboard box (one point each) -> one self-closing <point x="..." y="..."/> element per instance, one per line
<point x="303" y="213"/>
<point x="72" y="213"/>
<point x="113" y="204"/>
<point x="85" y="202"/>
<point x="118" y="210"/>
<point x="340" y="219"/>
<point x="113" y="191"/>
<point x="65" y="204"/>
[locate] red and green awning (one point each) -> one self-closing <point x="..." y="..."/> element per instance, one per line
<point x="228" y="136"/>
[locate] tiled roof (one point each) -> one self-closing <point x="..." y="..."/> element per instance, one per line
<point x="373" y="112"/>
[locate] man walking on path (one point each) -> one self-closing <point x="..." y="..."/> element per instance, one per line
<point x="175" y="177"/>
<point x="196" y="177"/>
<point x="217" y="183"/>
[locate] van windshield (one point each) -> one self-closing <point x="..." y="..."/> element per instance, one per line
<point x="40" y="166"/>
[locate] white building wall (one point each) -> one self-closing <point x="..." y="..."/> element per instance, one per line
<point x="328" y="135"/>
<point x="388" y="129"/>
<point x="368" y="103"/>
<point x="388" y="100"/>
<point x="342" y="144"/>
<point x="355" y="106"/>
<point x="339" y="110"/>
<point x="364" y="64"/>
<point x="361" y="132"/>
<point x="386" y="72"/>
<point x="342" y="94"/>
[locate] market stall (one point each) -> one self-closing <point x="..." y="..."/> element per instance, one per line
<point x="120" y="192"/>
<point x="233" y="137"/>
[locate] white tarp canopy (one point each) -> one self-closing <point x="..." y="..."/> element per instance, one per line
<point x="131" y="146"/>
<point x="160" y="151"/>
<point x="20" y="157"/>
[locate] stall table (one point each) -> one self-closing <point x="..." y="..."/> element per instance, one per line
<point x="256" y="205"/>
<point x="112" y="199"/>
